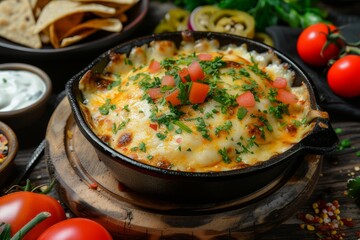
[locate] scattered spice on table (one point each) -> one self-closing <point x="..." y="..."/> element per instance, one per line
<point x="325" y="220"/>
<point x="3" y="147"/>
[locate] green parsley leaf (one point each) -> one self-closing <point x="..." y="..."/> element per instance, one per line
<point x="142" y="147"/>
<point x="279" y="110"/>
<point x="241" y="113"/>
<point x="106" y="107"/>
<point x="353" y="186"/>
<point x="161" y="136"/>
<point x="115" y="128"/>
<point x="226" y="127"/>
<point x="338" y="130"/>
<point x="224" y="155"/>
<point x="201" y="127"/>
<point x="183" y="126"/>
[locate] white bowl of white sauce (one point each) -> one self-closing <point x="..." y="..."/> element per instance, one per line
<point x="24" y="91"/>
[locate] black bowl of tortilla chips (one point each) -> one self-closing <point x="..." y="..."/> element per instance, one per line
<point x="65" y="34"/>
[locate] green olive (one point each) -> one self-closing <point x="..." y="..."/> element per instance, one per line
<point x="234" y="22"/>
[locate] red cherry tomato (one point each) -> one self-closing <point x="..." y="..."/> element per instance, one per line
<point x="343" y="76"/>
<point x="19" y="208"/>
<point x="311" y="42"/>
<point x="76" y="229"/>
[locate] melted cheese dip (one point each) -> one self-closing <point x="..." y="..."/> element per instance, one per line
<point x="248" y="110"/>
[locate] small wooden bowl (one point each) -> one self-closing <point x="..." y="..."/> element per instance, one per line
<point x="5" y="167"/>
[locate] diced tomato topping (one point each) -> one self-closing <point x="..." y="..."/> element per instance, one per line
<point x="168" y="81"/>
<point x="286" y="97"/>
<point x="198" y="92"/>
<point x="279" y="82"/>
<point x="179" y="140"/>
<point x="154" y="66"/>
<point x="195" y="71"/>
<point x="246" y="99"/>
<point x="153" y="126"/>
<point x="155" y="93"/>
<point x="173" y="97"/>
<point x="205" y="57"/>
<point x="183" y="73"/>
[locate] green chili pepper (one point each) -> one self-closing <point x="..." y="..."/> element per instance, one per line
<point x="233" y="21"/>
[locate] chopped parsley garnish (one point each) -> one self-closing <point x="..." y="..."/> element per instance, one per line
<point x="4" y="80"/>
<point x="252" y="87"/>
<point x="272" y="94"/>
<point x="149" y="157"/>
<point x="128" y="62"/>
<point x="114" y="84"/>
<point x="142" y="147"/>
<point x="345" y="143"/>
<point x="226" y="127"/>
<point x="279" y="110"/>
<point x="201" y="127"/>
<point x="266" y="123"/>
<point x="126" y="108"/>
<point x="298" y="123"/>
<point x="106" y="107"/>
<point x="255" y="68"/>
<point x="221" y="96"/>
<point x="212" y="68"/>
<point x="338" y="130"/>
<point x="224" y="155"/>
<point x="182" y="126"/>
<point x="115" y="128"/>
<point x="241" y="113"/>
<point x="161" y="136"/>
<point x="244" y="72"/>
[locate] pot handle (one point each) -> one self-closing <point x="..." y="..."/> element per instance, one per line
<point x="323" y="138"/>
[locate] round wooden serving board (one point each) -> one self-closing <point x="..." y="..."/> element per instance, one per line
<point x="88" y="188"/>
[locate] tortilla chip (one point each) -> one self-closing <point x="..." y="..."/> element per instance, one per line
<point x="63" y="25"/>
<point x="54" y="40"/>
<point x="107" y="24"/>
<point x="73" y="39"/>
<point x="37" y="6"/>
<point x="56" y="10"/>
<point x="17" y="23"/>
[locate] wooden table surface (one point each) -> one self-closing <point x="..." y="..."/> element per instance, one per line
<point x="338" y="167"/>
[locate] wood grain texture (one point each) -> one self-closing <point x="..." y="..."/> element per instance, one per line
<point x="128" y="215"/>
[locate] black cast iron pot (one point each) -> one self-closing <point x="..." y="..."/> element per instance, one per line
<point x="202" y="187"/>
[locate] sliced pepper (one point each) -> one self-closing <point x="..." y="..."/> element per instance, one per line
<point x="264" y="38"/>
<point x="175" y="19"/>
<point x="200" y="17"/>
<point x="234" y="22"/>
